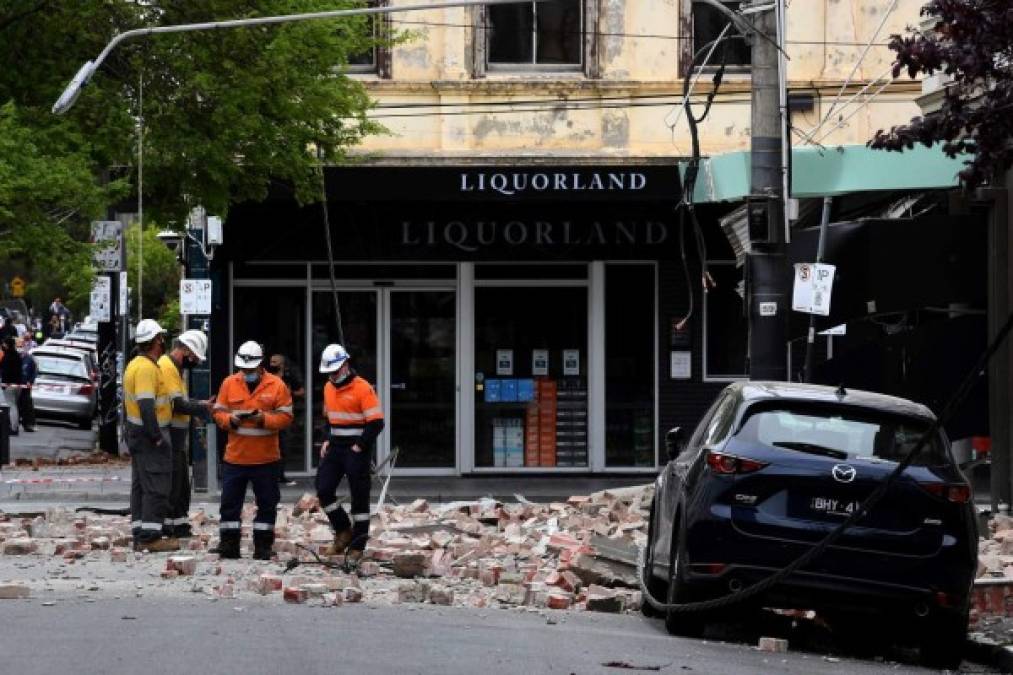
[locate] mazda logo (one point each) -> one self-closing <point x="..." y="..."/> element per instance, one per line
<point x="843" y="473"/>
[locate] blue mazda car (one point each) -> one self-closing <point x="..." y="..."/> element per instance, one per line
<point x="774" y="467"/>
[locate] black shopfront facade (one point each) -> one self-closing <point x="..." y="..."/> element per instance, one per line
<point x="513" y="319"/>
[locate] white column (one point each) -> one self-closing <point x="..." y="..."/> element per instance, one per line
<point x="596" y="366"/>
<point x="465" y="367"/>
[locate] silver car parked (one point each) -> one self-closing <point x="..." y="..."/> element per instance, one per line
<point x="64" y="387"/>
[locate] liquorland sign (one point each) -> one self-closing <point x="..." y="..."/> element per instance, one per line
<point x="655" y="183"/>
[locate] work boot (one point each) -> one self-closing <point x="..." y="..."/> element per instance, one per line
<point x="228" y="547"/>
<point x="160" y="545"/>
<point x="341" y="541"/>
<point x="263" y="543"/>
<point x="352" y="560"/>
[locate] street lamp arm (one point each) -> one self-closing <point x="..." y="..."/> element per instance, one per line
<point x="83" y="76"/>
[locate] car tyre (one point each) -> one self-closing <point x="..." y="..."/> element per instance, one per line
<point x="942" y="643"/>
<point x="686" y="624"/>
<point x="655" y="586"/>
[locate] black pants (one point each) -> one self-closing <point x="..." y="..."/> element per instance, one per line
<point x="26" y="408"/>
<point x="267" y="494"/>
<point x="340" y="461"/>
<point x="177" y="523"/>
<point x="150" y="484"/>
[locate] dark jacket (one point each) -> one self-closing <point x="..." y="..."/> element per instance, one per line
<point x="10" y="367"/>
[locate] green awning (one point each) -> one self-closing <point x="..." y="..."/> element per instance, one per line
<point x="833" y="171"/>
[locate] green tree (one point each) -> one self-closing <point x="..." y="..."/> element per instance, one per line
<point x="224" y="114"/>
<point x="159" y="289"/>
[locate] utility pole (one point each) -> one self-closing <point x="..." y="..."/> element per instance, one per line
<point x="767" y="264"/>
<point x="203" y="446"/>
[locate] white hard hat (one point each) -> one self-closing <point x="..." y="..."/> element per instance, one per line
<point x="332" y="358"/>
<point x="146" y="331"/>
<point x="196" y="342"/>
<point x="249" y="355"/>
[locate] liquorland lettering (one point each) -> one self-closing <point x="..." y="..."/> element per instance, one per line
<point x="512" y="183"/>
<point x="472" y="236"/>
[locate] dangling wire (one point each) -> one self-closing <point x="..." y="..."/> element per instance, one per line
<point x="330" y="249"/>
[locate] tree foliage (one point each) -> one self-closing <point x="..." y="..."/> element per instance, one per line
<point x="224" y="113"/>
<point x="971" y="41"/>
<point x="159" y="296"/>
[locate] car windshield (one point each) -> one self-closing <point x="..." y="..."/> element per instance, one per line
<point x="841" y="433"/>
<point x="54" y="365"/>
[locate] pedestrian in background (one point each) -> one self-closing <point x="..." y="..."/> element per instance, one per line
<point x="11" y="376"/>
<point x="148" y="411"/>
<point x="278" y="365"/>
<point x="187" y="351"/>
<point x="253" y="406"/>
<point x="29" y="371"/>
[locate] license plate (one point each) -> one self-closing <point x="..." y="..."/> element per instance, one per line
<point x="834" y="507"/>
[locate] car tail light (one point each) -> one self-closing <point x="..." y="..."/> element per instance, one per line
<point x="86" y="389"/>
<point x="958" y="493"/>
<point x="94" y="376"/>
<point x="723" y="463"/>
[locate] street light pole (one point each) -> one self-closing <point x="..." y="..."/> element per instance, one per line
<point x="85" y="73"/>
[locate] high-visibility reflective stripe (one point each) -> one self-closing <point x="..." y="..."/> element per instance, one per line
<point x="346" y="431"/>
<point x="376" y="410"/>
<point x="162" y="400"/>
<point x="253" y="431"/>
<point x="219" y="406"/>
<point x="151" y="526"/>
<point x="167" y="521"/>
<point x="346" y="417"/>
<point x="135" y="420"/>
<point x="263" y="526"/>
<point x="179" y="424"/>
<point x="165" y="424"/>
<point x="135" y="524"/>
<point x="331" y="508"/>
<point x="180" y="521"/>
<point x="283" y="409"/>
<point x="229" y="525"/>
<point x="143" y="396"/>
<point x="360" y="517"/>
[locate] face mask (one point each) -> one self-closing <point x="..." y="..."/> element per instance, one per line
<point x="251" y="378"/>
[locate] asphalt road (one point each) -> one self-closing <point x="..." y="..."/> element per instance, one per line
<point x="51" y="438"/>
<point x="154" y="636"/>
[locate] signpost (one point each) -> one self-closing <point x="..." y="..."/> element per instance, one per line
<point x="109" y="259"/>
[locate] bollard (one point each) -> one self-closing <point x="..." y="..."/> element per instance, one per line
<point x="5" y="435"/>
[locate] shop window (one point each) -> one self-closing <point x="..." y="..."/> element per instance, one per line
<point x="629" y="365"/>
<point x="708" y="23"/>
<point x="536" y="35"/>
<point x="531" y="377"/>
<point x="284" y="333"/>
<point x="725" y="326"/>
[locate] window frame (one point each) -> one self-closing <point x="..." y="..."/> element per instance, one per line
<point x="381" y="65"/>
<point x="589" y="65"/>
<point x="689" y="46"/>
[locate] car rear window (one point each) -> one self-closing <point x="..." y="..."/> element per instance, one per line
<point x="55" y="365"/>
<point x="841" y="433"/>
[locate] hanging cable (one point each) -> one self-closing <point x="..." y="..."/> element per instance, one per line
<point x="330" y="248"/>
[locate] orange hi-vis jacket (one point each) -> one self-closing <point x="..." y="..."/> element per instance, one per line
<point x="251" y="443"/>
<point x="348" y="408"/>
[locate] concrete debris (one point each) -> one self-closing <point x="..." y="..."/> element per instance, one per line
<point x="576" y="554"/>
<point x="14" y="591"/>
<point x="775" y="645"/>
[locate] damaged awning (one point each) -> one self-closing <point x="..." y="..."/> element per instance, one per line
<point x="823" y="172"/>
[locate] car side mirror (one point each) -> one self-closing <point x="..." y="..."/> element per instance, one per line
<point x="674" y="442"/>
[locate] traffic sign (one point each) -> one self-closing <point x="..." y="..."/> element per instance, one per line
<point x="195" y="296"/>
<point x="107" y="236"/>
<point x="100" y="307"/>
<point x="813" y="285"/>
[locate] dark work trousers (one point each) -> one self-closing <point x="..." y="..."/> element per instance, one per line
<point x="150" y="483"/>
<point x="340" y="461"/>
<point x="26" y="408"/>
<point x="267" y="494"/>
<point x="177" y="524"/>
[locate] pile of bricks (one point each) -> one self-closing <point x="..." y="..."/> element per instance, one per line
<point x="577" y="554"/>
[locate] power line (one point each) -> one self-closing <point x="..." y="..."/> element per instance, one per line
<point x="648" y="36"/>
